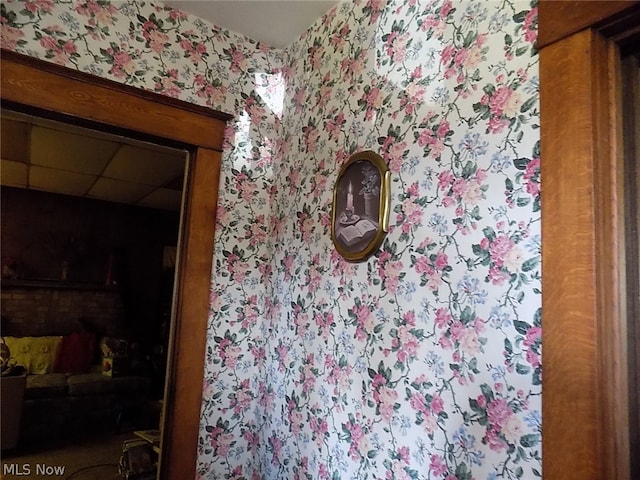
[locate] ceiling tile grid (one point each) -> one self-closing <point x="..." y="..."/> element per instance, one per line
<point x="56" y="158"/>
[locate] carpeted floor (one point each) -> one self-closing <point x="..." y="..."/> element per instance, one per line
<point x="83" y="458"/>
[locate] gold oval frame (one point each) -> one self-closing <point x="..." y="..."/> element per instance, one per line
<point x="359" y="225"/>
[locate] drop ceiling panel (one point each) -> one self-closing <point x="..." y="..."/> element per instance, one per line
<point x="14" y="141"/>
<point x="55" y="157"/>
<point x="119" y="191"/>
<point x="163" y="198"/>
<point x="148" y="167"/>
<point x="69" y="151"/>
<point x="13" y="174"/>
<point x="59" y="181"/>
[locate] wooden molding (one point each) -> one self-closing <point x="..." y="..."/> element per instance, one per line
<point x="584" y="375"/>
<point x="558" y="19"/>
<point x="30" y="85"/>
<point x="631" y="144"/>
<point x="66" y="92"/>
<point x="189" y="340"/>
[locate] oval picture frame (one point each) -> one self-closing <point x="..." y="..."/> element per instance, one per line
<point x="361" y="203"/>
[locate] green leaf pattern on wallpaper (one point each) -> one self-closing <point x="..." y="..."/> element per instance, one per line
<point x="422" y="362"/>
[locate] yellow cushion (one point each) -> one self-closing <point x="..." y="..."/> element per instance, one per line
<point x="36" y="354"/>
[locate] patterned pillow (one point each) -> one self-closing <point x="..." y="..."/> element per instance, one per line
<point x="36" y="354"/>
<point x="75" y="353"/>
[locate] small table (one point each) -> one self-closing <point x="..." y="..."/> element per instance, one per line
<point x="150" y="436"/>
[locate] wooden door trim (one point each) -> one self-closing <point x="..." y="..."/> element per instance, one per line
<point x="557" y="19"/>
<point x="184" y="386"/>
<point x="87" y="98"/>
<point x="631" y="144"/>
<point x="585" y="377"/>
<point x="32" y="85"/>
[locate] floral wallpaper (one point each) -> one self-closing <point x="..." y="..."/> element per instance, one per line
<point x="422" y="362"/>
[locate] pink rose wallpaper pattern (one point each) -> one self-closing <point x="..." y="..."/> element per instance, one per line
<point x="424" y="362"/>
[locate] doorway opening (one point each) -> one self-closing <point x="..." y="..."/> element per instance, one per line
<point x="56" y="92"/>
<point x="90" y="231"/>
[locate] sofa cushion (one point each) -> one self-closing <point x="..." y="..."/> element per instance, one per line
<point x="49" y="385"/>
<point x="96" y="383"/>
<point x="36" y="354"/>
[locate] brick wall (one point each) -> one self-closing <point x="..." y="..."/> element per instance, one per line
<point x="128" y="242"/>
<point x="36" y="311"/>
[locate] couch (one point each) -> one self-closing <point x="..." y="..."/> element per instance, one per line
<point x="68" y="391"/>
<point x="11" y="393"/>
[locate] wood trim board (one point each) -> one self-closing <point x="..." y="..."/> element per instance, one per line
<point x="585" y="391"/>
<point x="558" y="19"/>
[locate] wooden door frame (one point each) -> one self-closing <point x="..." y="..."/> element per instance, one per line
<point x="45" y="89"/>
<point x="585" y="409"/>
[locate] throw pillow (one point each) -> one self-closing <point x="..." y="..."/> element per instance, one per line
<point x="36" y="354"/>
<point x="75" y="353"/>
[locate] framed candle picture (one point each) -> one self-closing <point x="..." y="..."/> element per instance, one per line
<point x="361" y="203"/>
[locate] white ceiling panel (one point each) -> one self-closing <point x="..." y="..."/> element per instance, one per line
<point x="69" y="151"/>
<point x="147" y="167"/>
<point x="162" y="198"/>
<point x="59" y="181"/>
<point x="119" y="191"/>
<point x="13" y="174"/>
<point x="73" y="160"/>
<point x="14" y="141"/>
